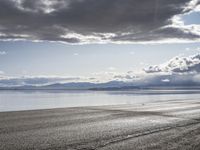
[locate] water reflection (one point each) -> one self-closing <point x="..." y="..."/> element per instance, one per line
<point x="31" y="99"/>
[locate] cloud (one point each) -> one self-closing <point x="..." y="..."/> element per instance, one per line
<point x="1" y="72"/>
<point x="35" y="81"/>
<point x="112" y="68"/>
<point x="3" y="53"/>
<point x="99" y="21"/>
<point x="132" y="53"/>
<point x="165" y="80"/>
<point x="178" y="71"/>
<point x="178" y="64"/>
<point x="76" y="54"/>
<point x="186" y="80"/>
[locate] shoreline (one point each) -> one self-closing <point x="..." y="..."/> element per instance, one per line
<point x="171" y="124"/>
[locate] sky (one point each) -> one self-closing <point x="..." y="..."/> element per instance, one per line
<point x="86" y="39"/>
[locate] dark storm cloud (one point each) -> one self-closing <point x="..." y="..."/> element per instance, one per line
<point x="76" y="21"/>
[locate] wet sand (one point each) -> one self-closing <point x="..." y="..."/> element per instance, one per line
<point x="158" y="125"/>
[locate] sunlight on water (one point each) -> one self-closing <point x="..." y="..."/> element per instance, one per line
<point x="28" y="100"/>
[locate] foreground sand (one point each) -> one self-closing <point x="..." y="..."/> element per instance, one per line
<point x="160" y="125"/>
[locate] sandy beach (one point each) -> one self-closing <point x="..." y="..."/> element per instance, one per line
<point x="158" y="125"/>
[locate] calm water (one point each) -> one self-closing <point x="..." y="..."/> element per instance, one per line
<point x="28" y="100"/>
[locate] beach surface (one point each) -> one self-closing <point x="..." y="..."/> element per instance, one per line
<point x="158" y="125"/>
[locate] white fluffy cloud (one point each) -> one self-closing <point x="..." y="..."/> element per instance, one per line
<point x="179" y="71"/>
<point x="3" y="53"/>
<point x="178" y="64"/>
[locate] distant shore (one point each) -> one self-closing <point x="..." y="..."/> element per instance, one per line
<point x="159" y="125"/>
<point x="108" y="86"/>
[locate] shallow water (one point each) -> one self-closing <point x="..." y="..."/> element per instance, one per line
<point x="29" y="100"/>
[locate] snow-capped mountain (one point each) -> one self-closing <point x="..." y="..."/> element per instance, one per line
<point x="178" y="71"/>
